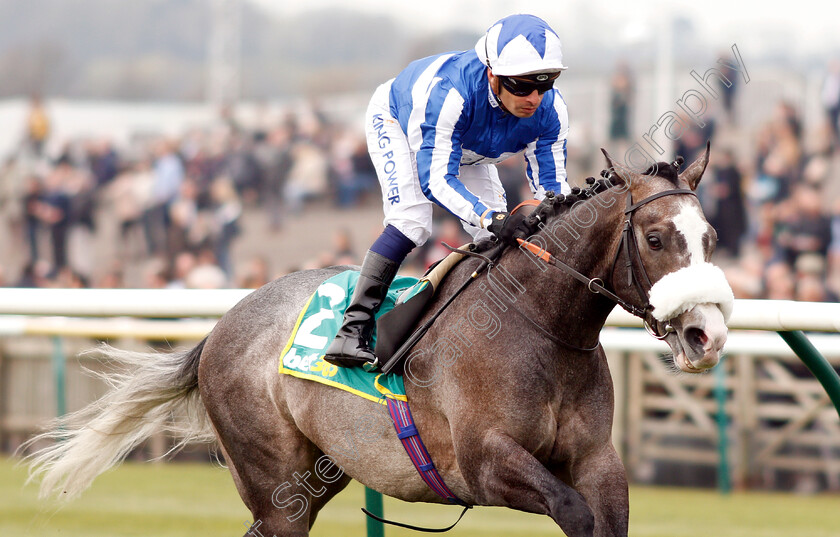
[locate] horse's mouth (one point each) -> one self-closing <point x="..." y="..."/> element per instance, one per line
<point x="698" y="339"/>
<point x="685" y="364"/>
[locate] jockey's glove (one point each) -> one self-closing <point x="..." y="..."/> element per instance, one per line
<point x="509" y="227"/>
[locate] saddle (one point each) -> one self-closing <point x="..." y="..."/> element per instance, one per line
<point x="397" y="330"/>
<point x="394" y="328"/>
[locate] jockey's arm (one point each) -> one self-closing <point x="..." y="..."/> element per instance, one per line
<point x="546" y="156"/>
<point x="439" y="156"/>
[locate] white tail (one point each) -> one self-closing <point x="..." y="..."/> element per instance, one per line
<point x="141" y="402"/>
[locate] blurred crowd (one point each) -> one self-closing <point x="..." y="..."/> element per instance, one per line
<point x="177" y="203"/>
<point x="174" y="204"/>
<point x="777" y="211"/>
<point x="772" y="194"/>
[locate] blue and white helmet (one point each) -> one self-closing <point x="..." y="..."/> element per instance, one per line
<point x="520" y="45"/>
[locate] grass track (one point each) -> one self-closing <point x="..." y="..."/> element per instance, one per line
<point x="180" y="500"/>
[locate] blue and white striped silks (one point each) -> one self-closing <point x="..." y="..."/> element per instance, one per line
<point x="450" y="118"/>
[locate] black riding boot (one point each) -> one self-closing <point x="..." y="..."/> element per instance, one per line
<point x="351" y="346"/>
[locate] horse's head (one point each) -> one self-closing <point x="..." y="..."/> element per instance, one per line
<point x="663" y="260"/>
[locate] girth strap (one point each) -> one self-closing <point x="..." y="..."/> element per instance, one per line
<point x="410" y="438"/>
<point x="422" y="461"/>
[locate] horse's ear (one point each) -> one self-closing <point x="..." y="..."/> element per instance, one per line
<point x="694" y="172"/>
<point x="620" y="176"/>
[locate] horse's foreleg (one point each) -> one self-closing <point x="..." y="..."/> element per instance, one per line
<point x="602" y="481"/>
<point x="505" y="474"/>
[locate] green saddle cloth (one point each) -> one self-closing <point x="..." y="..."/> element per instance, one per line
<point x="316" y="326"/>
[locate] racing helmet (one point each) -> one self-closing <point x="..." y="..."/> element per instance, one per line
<point x="520" y="45"/>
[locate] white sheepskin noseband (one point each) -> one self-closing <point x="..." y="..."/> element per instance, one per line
<point x="689" y="286"/>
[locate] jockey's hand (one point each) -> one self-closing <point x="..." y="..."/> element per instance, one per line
<point x="509" y="227"/>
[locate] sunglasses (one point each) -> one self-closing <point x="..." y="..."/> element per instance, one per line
<point x="522" y="88"/>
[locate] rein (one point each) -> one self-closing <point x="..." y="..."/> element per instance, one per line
<point x="537" y="325"/>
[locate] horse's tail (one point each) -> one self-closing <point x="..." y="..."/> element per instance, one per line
<point x="157" y="391"/>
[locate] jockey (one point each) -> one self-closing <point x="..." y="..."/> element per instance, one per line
<point x="434" y="134"/>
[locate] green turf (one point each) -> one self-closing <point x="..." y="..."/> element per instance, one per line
<point x="174" y="499"/>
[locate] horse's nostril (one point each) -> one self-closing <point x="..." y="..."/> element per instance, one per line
<point x="696" y="337"/>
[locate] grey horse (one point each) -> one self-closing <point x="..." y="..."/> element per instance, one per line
<point x="509" y="388"/>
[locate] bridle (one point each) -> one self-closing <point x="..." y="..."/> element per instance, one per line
<point x="636" y="274"/>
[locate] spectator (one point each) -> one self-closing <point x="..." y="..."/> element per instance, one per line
<point x="167" y="176"/>
<point x="779" y="281"/>
<point x="13" y="184"/>
<point x="155" y="274"/>
<point x="804" y="227"/>
<point x="830" y="97"/>
<point x="37" y="126"/>
<point x="274" y="157"/>
<point x="52" y="209"/>
<point x="778" y="167"/>
<point x="341" y="174"/>
<point x="103" y="161"/>
<point x="184" y="263"/>
<point x="363" y="168"/>
<point x="226" y="212"/>
<point x="67" y="278"/>
<point x="724" y="204"/>
<point x="207" y="274"/>
<point x="113" y="278"/>
<point x="243" y="168"/>
<point x="343" y="253"/>
<point x="728" y="91"/>
<point x="811" y="281"/>
<point x="32" y="221"/>
<point x="833" y="262"/>
<point x="112" y="183"/>
<point x="307" y="177"/>
<point x="256" y="273"/>
<point x="787" y="114"/>
<point x="183" y="231"/>
<point x="746" y="277"/>
<point x="79" y="186"/>
<point x="693" y="138"/>
<point x="621" y="97"/>
<point x="129" y="195"/>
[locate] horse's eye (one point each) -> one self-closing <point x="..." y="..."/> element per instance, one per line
<point x="654" y="242"/>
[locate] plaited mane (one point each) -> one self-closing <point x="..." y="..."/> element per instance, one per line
<point x="554" y="204"/>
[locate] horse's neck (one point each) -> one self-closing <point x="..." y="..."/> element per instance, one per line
<point x="586" y="241"/>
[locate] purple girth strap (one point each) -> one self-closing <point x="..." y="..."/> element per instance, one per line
<point x="410" y="438"/>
